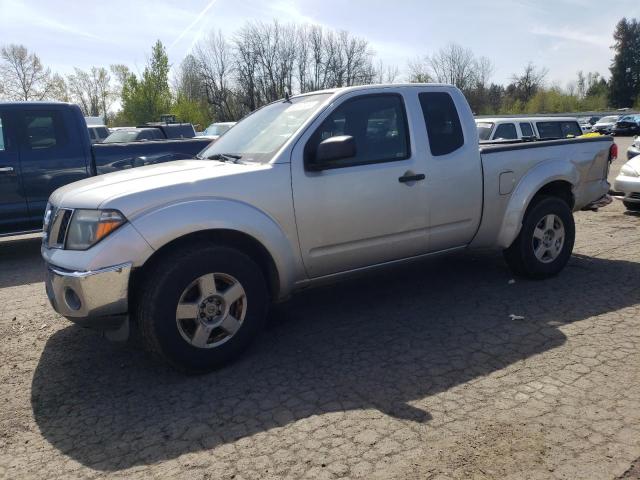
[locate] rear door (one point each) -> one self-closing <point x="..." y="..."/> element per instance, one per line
<point x="454" y="176"/>
<point x="14" y="215"/>
<point x="52" y="154"/>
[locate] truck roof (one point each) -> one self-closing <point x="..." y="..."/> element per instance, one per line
<point x="525" y="119"/>
<point x="377" y="86"/>
<point x="30" y="103"/>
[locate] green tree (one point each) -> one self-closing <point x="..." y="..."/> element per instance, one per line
<point x="625" y="69"/>
<point x="145" y="99"/>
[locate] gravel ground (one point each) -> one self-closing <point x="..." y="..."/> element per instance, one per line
<point x="415" y="373"/>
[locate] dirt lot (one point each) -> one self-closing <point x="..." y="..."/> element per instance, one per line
<point x="415" y="373"/>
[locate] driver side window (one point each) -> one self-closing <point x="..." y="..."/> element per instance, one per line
<point x="376" y="122"/>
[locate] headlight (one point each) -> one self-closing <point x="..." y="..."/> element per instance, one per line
<point x="88" y="227"/>
<point x="629" y="171"/>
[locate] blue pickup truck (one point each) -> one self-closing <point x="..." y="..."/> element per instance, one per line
<point x="45" y="145"/>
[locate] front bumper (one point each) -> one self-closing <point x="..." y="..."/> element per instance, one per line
<point x="630" y="186"/>
<point x="96" y="299"/>
<point x="633" y="151"/>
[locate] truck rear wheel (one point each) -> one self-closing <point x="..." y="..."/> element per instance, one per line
<point x="545" y="243"/>
<point x="201" y="307"/>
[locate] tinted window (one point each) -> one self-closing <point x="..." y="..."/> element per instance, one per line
<point x="44" y="130"/>
<point x="506" y="131"/>
<point x="92" y="134"/>
<point x="526" y="129"/>
<point x="549" y="130"/>
<point x="570" y="129"/>
<point x="102" y="132"/>
<point x="376" y="122"/>
<point x="442" y="121"/>
<point x="2" y="142"/>
<point x="484" y="130"/>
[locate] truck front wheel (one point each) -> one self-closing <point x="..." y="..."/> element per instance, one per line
<point x="201" y="306"/>
<point x="544" y="245"/>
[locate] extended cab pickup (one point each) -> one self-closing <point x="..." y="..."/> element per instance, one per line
<point x="305" y="191"/>
<point x="44" y="146"/>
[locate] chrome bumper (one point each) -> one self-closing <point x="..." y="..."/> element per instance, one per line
<point x="97" y="299"/>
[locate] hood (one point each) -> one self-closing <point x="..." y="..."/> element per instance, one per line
<point x="635" y="163"/>
<point x="133" y="190"/>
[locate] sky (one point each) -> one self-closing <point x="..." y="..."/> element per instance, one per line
<point x="563" y="36"/>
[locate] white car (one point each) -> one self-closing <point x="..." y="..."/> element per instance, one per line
<point x="628" y="182"/>
<point x="527" y="128"/>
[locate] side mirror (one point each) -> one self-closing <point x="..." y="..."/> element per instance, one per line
<point x="331" y="149"/>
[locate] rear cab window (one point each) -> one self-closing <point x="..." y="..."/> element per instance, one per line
<point x="526" y="129"/>
<point x="484" y="130"/>
<point x="441" y="119"/>
<point x="506" y="131"/>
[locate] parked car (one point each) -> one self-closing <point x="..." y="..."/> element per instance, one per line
<point x="627" y="125"/>
<point x="605" y="124"/>
<point x="127" y="135"/>
<point x="634" y="149"/>
<point x="214" y="130"/>
<point x="98" y="133"/>
<point x="628" y="182"/>
<point x="301" y="192"/>
<point x="527" y="128"/>
<point x="47" y="145"/>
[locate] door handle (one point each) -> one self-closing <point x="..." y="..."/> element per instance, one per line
<point x="411" y="177"/>
<point x="6" y="169"/>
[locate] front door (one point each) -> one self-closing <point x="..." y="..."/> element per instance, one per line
<point x="51" y="155"/>
<point x="367" y="209"/>
<point x="14" y="215"/>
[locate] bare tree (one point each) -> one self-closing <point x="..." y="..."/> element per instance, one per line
<point x="419" y="71"/>
<point x="22" y="74"/>
<point x="92" y="90"/>
<point x="216" y="67"/>
<point x="529" y="82"/>
<point x="455" y="65"/>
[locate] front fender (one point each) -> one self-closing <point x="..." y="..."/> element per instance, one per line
<point x="529" y="185"/>
<point x="170" y="222"/>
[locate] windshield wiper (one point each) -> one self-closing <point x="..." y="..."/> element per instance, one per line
<point x="225" y="157"/>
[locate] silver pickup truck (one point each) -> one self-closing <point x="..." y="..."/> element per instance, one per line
<point x="303" y="191"/>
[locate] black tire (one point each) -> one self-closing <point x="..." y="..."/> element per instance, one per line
<point x="632" y="207"/>
<point x="161" y="291"/>
<point x="520" y="255"/>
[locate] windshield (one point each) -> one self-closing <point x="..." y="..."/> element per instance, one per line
<point x="121" y="136"/>
<point x="628" y="118"/>
<point x="216" y="129"/>
<point x="484" y="130"/>
<point x="259" y="136"/>
<point x="608" y="120"/>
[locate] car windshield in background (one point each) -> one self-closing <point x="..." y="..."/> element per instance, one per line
<point x="218" y="130"/>
<point x="608" y="120"/>
<point x="484" y="130"/>
<point x="121" y="136"/>
<point x="259" y="136"/>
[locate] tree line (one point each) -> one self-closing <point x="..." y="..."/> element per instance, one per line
<point x="226" y="77"/>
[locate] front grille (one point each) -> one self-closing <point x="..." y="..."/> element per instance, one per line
<point x="56" y="234"/>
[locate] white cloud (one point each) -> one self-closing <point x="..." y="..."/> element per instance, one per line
<point x="566" y="33"/>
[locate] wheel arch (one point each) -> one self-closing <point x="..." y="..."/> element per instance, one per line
<point x="554" y="178"/>
<point x="226" y="222"/>
<point x="224" y="237"/>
